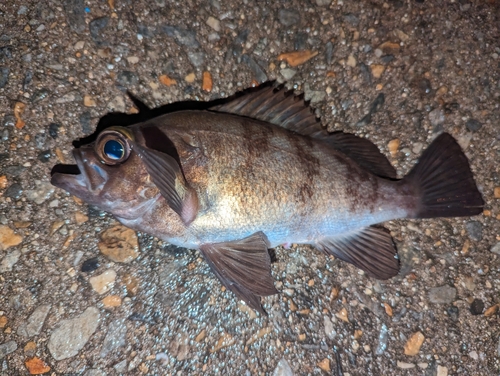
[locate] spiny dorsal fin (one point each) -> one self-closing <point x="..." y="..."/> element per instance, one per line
<point x="275" y="105"/>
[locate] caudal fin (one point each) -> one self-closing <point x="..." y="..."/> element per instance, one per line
<point x="443" y="180"/>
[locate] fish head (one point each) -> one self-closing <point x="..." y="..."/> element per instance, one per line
<point x="109" y="175"/>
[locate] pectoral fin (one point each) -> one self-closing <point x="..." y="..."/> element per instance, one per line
<point x="167" y="176"/>
<point x="370" y="249"/>
<point x="244" y="267"/>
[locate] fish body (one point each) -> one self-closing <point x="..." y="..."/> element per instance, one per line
<point x="257" y="172"/>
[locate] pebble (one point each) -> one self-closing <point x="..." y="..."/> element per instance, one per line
<point x="442" y="371"/>
<point x="3" y="182"/>
<point x="383" y="337"/>
<point x="90" y="265"/>
<point x="329" y="53"/>
<point x="329" y="328"/>
<point x="119" y="244"/>
<point x="190" y="78"/>
<point x="121" y="367"/>
<point x="443" y="294"/>
<point x="325" y="365"/>
<point x="377" y="70"/>
<point x="127" y="79"/>
<point x="133" y="59"/>
<point x="80" y="218"/>
<point x="41" y="193"/>
<point x="323" y="3"/>
<point x="404" y="365"/>
<point x="131" y="284"/>
<point x="72" y="334"/>
<point x="36" y="366"/>
<point x="183" y="37"/>
<point x="423" y="85"/>
<point x="313" y="96"/>
<point x="4" y="76"/>
<point x="19" y="108"/>
<point x="117" y="104"/>
<point x="288" y="73"/>
<point x="351" y="61"/>
<point x="88" y="101"/>
<point x="102" y="283"/>
<point x="44" y="156"/>
<point x="96" y="28"/>
<point x="436" y="117"/>
<point x="207" y="82"/>
<point x="214" y="23"/>
<point x="111" y="301"/>
<point x="297" y="58"/>
<point x="473" y="125"/>
<point x="34" y="324"/>
<point x="39" y="95"/>
<point x="389" y="47"/>
<point x="257" y="71"/>
<point x="496" y="192"/>
<point x="14" y="191"/>
<point x="9" y="121"/>
<point x="94" y="372"/>
<point x="66" y="98"/>
<point x="283" y="368"/>
<point x="8" y="238"/>
<point x="491" y="311"/>
<point x="412" y="346"/>
<point x="7" y="348"/>
<point x="54" y="130"/>
<point x="197" y="58"/>
<point x="225" y="340"/>
<point x="40" y="139"/>
<point x="342" y="315"/>
<point x="475" y="230"/>
<point x="3" y="321"/>
<point x="9" y="261"/>
<point x="477" y="307"/>
<point x="393" y="147"/>
<point x="496" y="248"/>
<point x="115" y="338"/>
<point x="85" y="121"/>
<point x="75" y="14"/>
<point x="167" y="81"/>
<point x="288" y="17"/>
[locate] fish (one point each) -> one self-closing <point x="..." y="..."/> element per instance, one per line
<point x="259" y="170"/>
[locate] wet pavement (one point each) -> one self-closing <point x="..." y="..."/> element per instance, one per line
<point x="397" y="72"/>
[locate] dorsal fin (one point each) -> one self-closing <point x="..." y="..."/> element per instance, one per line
<point x="275" y="105"/>
<point x="283" y="108"/>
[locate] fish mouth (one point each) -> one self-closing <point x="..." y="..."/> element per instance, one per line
<point x="65" y="169"/>
<point x="70" y="177"/>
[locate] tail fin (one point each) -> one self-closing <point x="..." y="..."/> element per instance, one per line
<point x="443" y="180"/>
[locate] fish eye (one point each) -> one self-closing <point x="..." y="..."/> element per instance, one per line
<point x="114" y="149"/>
<point x="112" y="146"/>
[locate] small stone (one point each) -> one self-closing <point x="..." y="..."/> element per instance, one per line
<point x="288" y="17"/>
<point x="97" y="27"/>
<point x="207" y="81"/>
<point x="256" y="69"/>
<point x="3" y="182"/>
<point x="190" y="78"/>
<point x="393" y="147"/>
<point x="473" y="125"/>
<point x="36" y="366"/>
<point x="9" y="261"/>
<point x="133" y="59"/>
<point x="29" y="349"/>
<point x="36" y="320"/>
<point x="225" y="340"/>
<point x="442" y="371"/>
<point x="489" y="312"/>
<point x="4" y="76"/>
<point x="325" y="365"/>
<point x="88" y="101"/>
<point x="475" y="230"/>
<point x="329" y="53"/>
<point x="412" y="346"/>
<point x="117" y="104"/>
<point x="436" y="117"/>
<point x="388" y="309"/>
<point x="351" y="61"/>
<point x="351" y="19"/>
<point x="19" y="108"/>
<point x="3" y="321"/>
<point x="477" y="307"/>
<point x="261" y="333"/>
<point x="72" y="334"/>
<point x="7" y="348"/>
<point x="119" y="244"/>
<point x="41" y="193"/>
<point x="102" y="283"/>
<point x="283" y="369"/>
<point x="288" y="73"/>
<point x="323" y="3"/>
<point x="94" y="372"/>
<point x="297" y="58"/>
<point x="121" y="367"/>
<point x="201" y="336"/>
<point x="54" y="130"/>
<point x="81" y="218"/>
<point x="452" y="311"/>
<point x="116" y="337"/>
<point x="197" y="58"/>
<point x="127" y="78"/>
<point x="112" y="301"/>
<point x="14" y="191"/>
<point x="389" y="47"/>
<point x="183" y="37"/>
<point x="44" y="156"/>
<point x="8" y="238"/>
<point x="75" y="15"/>
<point x="214" y="23"/>
<point x="405" y="365"/>
<point x="342" y="315"/>
<point x="39" y="95"/>
<point x="496" y="248"/>
<point x="90" y="265"/>
<point x="131" y="284"/>
<point x="55" y="226"/>
<point x="167" y="81"/>
<point x="313" y="96"/>
<point x="442" y="295"/>
<point x="377" y="70"/>
<point x="496" y="192"/>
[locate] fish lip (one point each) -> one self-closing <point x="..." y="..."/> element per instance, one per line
<point x="65" y="175"/>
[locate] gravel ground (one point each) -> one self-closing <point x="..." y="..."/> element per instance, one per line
<point x="397" y="72"/>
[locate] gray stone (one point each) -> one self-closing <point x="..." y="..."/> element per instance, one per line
<point x="127" y="78"/>
<point x="72" y="334"/>
<point x="85" y="122"/>
<point x="14" y="170"/>
<point x="288" y="73"/>
<point x="196" y="58"/>
<point x="94" y="372"/>
<point x="443" y="294"/>
<point x="475" y="230"/>
<point x="42" y="192"/>
<point x="472" y="125"/>
<point x="9" y="121"/>
<point x="75" y="14"/>
<point x="7" y="348"/>
<point x="314" y="96"/>
<point x="39" y="95"/>
<point x="34" y="324"/>
<point x="121" y="366"/>
<point x="40" y="139"/>
<point x="436" y="117"/>
<point x="329" y="53"/>
<point x="14" y="191"/>
<point x="283" y="369"/>
<point x="323" y="3"/>
<point x="4" y="76"/>
<point x="183" y="37"/>
<point x="97" y="27"/>
<point x="116" y="337"/>
<point x="9" y="261"/>
<point x="288" y="17"/>
<point x="257" y="71"/>
<point x="351" y="19"/>
<point x="496" y="248"/>
<point x="383" y="338"/>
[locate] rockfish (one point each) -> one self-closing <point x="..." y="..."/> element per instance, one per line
<point x="258" y="171"/>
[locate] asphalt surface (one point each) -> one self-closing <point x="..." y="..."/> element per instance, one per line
<point x="397" y="72"/>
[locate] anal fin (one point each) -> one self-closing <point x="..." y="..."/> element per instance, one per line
<point x="370" y="249"/>
<point x="244" y="267"/>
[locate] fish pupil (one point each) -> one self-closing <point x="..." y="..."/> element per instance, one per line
<point x="114" y="149"/>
